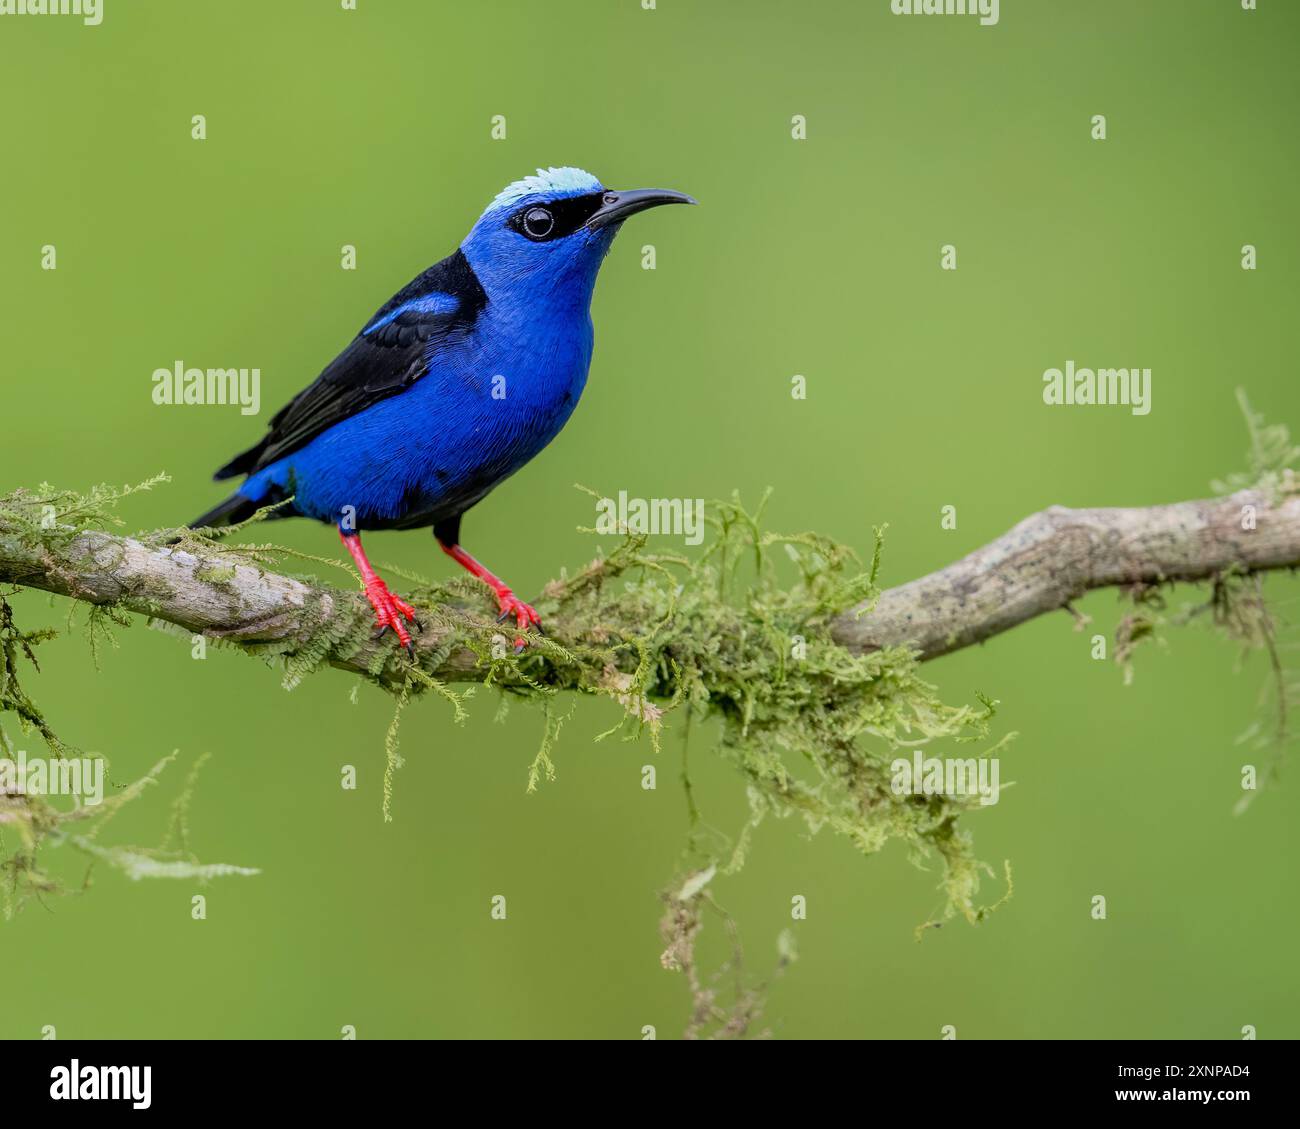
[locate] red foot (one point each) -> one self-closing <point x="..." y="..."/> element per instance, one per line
<point x="390" y="611"/>
<point x="525" y="615"/>
<point x="508" y="603"/>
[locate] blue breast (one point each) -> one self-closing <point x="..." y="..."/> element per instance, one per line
<point x="488" y="403"/>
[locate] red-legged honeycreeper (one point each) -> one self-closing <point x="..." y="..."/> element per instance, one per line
<point x="458" y="380"/>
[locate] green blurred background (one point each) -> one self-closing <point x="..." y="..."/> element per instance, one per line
<point x="821" y="257"/>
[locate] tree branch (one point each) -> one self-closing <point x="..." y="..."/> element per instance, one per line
<point x="1057" y="555"/>
<point x="1041" y="565"/>
<point x="220" y="594"/>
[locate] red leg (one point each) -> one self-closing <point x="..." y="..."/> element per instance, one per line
<point x="390" y="610"/>
<point x="507" y="601"/>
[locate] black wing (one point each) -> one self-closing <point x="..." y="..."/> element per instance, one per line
<point x="389" y="355"/>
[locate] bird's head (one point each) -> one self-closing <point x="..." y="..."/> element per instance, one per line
<point x="551" y="231"/>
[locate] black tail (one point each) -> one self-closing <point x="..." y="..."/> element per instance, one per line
<point x="243" y="463"/>
<point x="233" y="510"/>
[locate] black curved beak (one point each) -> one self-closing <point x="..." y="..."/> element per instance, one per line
<point x="617" y="206"/>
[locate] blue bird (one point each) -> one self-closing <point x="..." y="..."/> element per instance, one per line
<point x="454" y="384"/>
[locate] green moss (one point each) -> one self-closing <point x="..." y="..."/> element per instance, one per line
<point x="216" y="574"/>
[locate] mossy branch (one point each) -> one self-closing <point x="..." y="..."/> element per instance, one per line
<point x="1047" y="561"/>
<point x="812" y="670"/>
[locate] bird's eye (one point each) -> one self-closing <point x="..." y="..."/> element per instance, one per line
<point x="538" y="223"/>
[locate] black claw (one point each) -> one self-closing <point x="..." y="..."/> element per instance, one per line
<point x="383" y="631"/>
<point x="519" y="647"/>
<point x="505" y="615"/>
<point x="417" y="624"/>
<point x="410" y="649"/>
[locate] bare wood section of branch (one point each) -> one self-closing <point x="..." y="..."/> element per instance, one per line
<point x="1057" y="555"/>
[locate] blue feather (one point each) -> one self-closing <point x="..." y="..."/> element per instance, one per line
<point x="434" y="303"/>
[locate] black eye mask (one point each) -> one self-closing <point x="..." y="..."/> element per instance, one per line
<point x="567" y="216"/>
